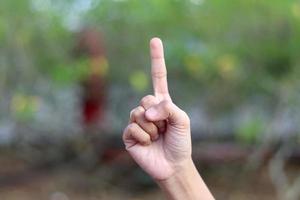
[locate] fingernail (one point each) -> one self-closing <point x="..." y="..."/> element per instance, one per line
<point x="151" y="112"/>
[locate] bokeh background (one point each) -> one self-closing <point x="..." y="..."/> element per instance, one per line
<point x="71" y="71"/>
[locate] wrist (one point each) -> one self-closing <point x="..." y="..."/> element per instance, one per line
<point x="185" y="183"/>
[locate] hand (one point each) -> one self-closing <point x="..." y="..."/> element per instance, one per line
<point x="158" y="138"/>
<point x="158" y="135"/>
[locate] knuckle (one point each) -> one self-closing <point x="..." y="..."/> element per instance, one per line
<point x="146" y="140"/>
<point x="132" y="128"/>
<point x="140" y="110"/>
<point x="131" y="113"/>
<point x="128" y="131"/>
<point x="147" y="99"/>
<point x="152" y="130"/>
<point x="159" y="74"/>
<point x="137" y="112"/>
<point x="125" y="134"/>
<point x="160" y="124"/>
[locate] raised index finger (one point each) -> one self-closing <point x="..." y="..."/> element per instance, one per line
<point x="158" y="70"/>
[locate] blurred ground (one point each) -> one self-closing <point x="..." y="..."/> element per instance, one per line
<point x="113" y="182"/>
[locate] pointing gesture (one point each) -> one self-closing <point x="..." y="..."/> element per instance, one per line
<point x="158" y="135"/>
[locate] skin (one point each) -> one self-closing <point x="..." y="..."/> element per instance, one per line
<point x="158" y="137"/>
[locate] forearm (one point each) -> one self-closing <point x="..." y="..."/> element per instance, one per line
<point x="186" y="184"/>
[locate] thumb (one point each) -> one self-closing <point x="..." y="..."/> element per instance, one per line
<point x="167" y="110"/>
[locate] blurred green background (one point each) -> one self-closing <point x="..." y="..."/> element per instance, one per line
<point x="233" y="65"/>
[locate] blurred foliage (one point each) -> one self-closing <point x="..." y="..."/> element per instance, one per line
<point x="248" y="131"/>
<point x="139" y="80"/>
<point x="24" y="107"/>
<point x="228" y="53"/>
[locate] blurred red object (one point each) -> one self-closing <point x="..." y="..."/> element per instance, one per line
<point x="93" y="99"/>
<point x="90" y="44"/>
